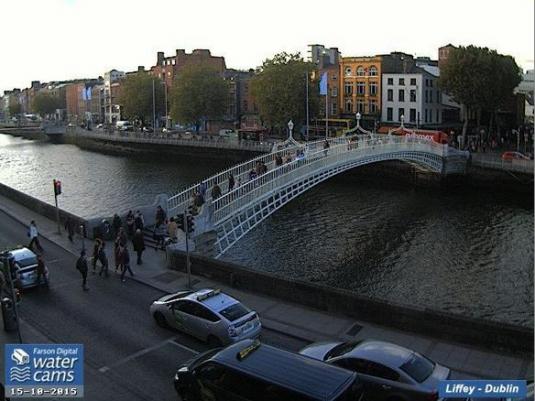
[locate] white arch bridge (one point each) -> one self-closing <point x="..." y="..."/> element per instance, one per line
<point x="231" y="216"/>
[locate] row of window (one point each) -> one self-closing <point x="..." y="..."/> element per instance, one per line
<point x="361" y="105"/>
<point x="401" y="81"/>
<point x="413" y="118"/>
<point x="361" y="88"/>
<point x="361" y="71"/>
<point x="412" y="95"/>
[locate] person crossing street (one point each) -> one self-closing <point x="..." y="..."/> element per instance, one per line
<point x="34" y="237"/>
<point x="125" y="259"/>
<point x="81" y="265"/>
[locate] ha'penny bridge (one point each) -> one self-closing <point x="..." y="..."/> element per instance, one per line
<point x="231" y="216"/>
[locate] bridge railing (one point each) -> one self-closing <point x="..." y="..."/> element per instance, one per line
<point x="318" y="159"/>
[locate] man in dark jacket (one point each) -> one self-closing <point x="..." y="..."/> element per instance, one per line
<point x="41" y="271"/>
<point x="81" y="265"/>
<point x="117" y="223"/>
<point x="125" y="258"/>
<point x="104" y="260"/>
<point x="139" y="245"/>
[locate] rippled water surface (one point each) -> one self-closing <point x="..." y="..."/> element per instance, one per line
<point x="469" y="253"/>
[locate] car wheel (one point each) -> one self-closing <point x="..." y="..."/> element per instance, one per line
<point x="160" y="320"/>
<point x="213" y="341"/>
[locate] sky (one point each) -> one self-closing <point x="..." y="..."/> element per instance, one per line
<point x="66" y="39"/>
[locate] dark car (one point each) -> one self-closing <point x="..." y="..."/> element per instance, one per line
<point x="388" y="372"/>
<point x="251" y="371"/>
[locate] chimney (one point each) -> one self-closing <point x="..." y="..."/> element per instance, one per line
<point x="160" y="57"/>
<point x="180" y="52"/>
<point x="140" y="68"/>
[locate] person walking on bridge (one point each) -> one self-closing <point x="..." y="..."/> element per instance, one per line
<point x="96" y="250"/>
<point x="231" y="182"/>
<point x="117" y="223"/>
<point x="160" y="215"/>
<point x="34" y="237"/>
<point x="130" y="223"/>
<point x="103" y="260"/>
<point x="139" y="221"/>
<point x="81" y="266"/>
<point x="125" y="259"/>
<point x="139" y="245"/>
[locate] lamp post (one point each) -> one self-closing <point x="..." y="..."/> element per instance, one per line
<point x="358" y="116"/>
<point x="402" y="118"/>
<point x="290" y="128"/>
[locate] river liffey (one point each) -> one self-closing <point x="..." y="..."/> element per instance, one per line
<point x="467" y="252"/>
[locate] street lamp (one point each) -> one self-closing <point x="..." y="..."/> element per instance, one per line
<point x="358" y="119"/>
<point x="402" y="118"/>
<point x="290" y="128"/>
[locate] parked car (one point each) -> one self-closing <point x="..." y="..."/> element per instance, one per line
<point x="388" y="371"/>
<point x="251" y="371"/>
<point x="24" y="272"/>
<point x="510" y="156"/>
<point x="149" y="129"/>
<point x="124" y="126"/>
<point x="207" y="314"/>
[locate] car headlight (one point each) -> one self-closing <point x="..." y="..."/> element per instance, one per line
<point x="183" y="369"/>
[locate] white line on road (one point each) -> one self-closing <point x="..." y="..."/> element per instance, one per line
<point x="185" y="348"/>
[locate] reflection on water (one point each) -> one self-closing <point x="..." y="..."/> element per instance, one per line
<point x="468" y="253"/>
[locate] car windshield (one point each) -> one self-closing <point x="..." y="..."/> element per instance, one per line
<point x="235" y="311"/>
<point x="418" y="367"/>
<point x="340" y="349"/>
<point x="32" y="260"/>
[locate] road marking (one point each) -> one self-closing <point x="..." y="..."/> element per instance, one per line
<point x="53" y="261"/>
<point x="185" y="348"/>
<point x="144" y="351"/>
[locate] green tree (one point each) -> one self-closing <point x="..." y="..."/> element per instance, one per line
<point x="279" y="89"/>
<point x="199" y="93"/>
<point x="46" y="103"/>
<point x="14" y="108"/>
<point x="136" y="97"/>
<point x="480" y="79"/>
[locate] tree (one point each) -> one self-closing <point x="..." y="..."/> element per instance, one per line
<point x="14" y="108"/>
<point x="480" y="79"/>
<point x="279" y="89"/>
<point x="199" y="93"/>
<point x="46" y="103"/>
<point x="136" y="97"/>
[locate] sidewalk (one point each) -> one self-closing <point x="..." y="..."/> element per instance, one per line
<point x="298" y="321"/>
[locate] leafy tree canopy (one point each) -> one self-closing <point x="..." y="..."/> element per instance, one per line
<point x="46" y="103"/>
<point x="136" y="96"/>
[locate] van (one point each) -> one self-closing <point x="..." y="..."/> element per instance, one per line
<point x="252" y="371"/>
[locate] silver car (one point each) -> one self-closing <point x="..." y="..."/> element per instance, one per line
<point x="210" y="315"/>
<point x="388" y="371"/>
<point x="25" y="272"/>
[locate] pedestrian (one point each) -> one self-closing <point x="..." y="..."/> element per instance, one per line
<point x="41" y="271"/>
<point x="125" y="257"/>
<point x="139" y="221"/>
<point x="81" y="266"/>
<point x="278" y="160"/>
<point x="202" y="189"/>
<point x="230" y="182"/>
<point x="117" y="223"/>
<point x="96" y="252"/>
<point x="160" y="215"/>
<point x="252" y="174"/>
<point x="34" y="237"/>
<point x="139" y="245"/>
<point x="120" y="241"/>
<point x="69" y="226"/>
<point x="171" y="229"/>
<point x="103" y="259"/>
<point x="216" y="192"/>
<point x="130" y="222"/>
<point x="159" y="232"/>
<point x="326" y="147"/>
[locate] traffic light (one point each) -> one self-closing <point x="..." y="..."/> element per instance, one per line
<point x="57" y="187"/>
<point x="190" y="223"/>
<point x="179" y="218"/>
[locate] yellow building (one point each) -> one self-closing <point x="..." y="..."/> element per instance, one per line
<point x="360" y="86"/>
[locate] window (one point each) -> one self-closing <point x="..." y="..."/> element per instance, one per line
<point x="431" y="83"/>
<point x="373" y="88"/>
<point x="373" y="106"/>
<point x="349" y="106"/>
<point x="360" y="106"/>
<point x="373" y="71"/>
<point x="378" y="370"/>
<point x="390" y="95"/>
<point x="418" y="367"/>
<point x="334" y="108"/>
<point x="426" y="112"/>
<point x="187" y="307"/>
<point x="413" y="81"/>
<point x="438" y="96"/>
<point x="361" y="88"/>
<point x="334" y="92"/>
<point x="401" y="95"/>
<point x="348" y="71"/>
<point x="235" y="312"/>
<point x="206" y="314"/>
<point x="401" y="112"/>
<point x="389" y="114"/>
<point x="426" y="96"/>
<point x="430" y="96"/>
<point x="360" y="71"/>
<point x="438" y="116"/>
<point x="334" y="77"/>
<point x="413" y="95"/>
<point x="402" y="81"/>
<point x="390" y="81"/>
<point x="412" y="116"/>
<point x="348" y="88"/>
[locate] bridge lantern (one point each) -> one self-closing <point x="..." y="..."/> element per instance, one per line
<point x="190" y="223"/>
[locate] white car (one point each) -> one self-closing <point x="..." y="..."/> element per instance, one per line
<point x="210" y="315"/>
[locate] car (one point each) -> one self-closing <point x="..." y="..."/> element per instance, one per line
<point x="208" y="314"/>
<point x="388" y="371"/>
<point x="187" y="135"/>
<point x="251" y="371"/>
<point x="510" y="156"/>
<point x="24" y="268"/>
<point x="149" y="129"/>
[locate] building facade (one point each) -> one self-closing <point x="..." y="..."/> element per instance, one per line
<point x="414" y="96"/>
<point x="110" y="92"/>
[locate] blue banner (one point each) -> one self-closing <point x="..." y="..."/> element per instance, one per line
<point x="482" y="388"/>
<point x="44" y="370"/>
<point x="323" y="84"/>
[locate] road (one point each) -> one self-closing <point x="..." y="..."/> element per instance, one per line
<point x="127" y="356"/>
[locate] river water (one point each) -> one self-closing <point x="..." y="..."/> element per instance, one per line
<point x="469" y="253"/>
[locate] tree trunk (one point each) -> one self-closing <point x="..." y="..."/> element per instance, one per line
<point x="490" y="121"/>
<point x="465" y="126"/>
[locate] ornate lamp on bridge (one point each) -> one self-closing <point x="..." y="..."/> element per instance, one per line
<point x="357" y="116"/>
<point x="402" y="118"/>
<point x="290" y="131"/>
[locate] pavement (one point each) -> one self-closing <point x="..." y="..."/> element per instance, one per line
<point x="289" y="325"/>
